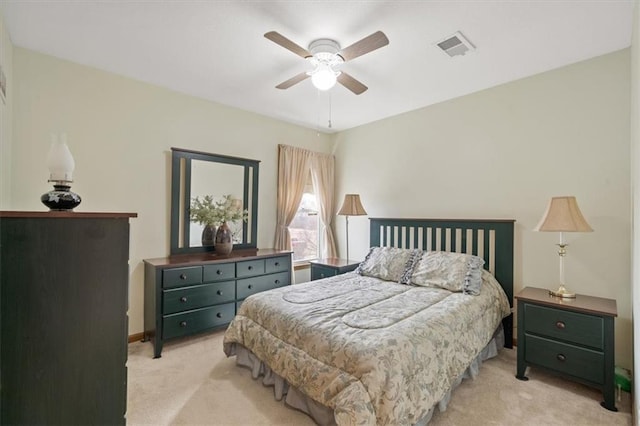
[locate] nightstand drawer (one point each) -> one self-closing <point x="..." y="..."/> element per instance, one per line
<point x="198" y="296"/>
<point x="198" y="320"/>
<point x="176" y="277"/>
<point x="565" y="325"/>
<point x="579" y="362"/>
<point x="319" y="272"/>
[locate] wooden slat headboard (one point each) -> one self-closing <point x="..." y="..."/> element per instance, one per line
<point x="490" y="239"/>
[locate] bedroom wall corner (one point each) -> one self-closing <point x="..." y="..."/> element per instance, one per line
<point x="6" y="116"/>
<point x="635" y="183"/>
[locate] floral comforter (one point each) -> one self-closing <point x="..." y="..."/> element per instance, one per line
<point x="372" y="350"/>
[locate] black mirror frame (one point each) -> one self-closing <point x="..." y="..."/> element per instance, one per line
<point x="184" y="199"/>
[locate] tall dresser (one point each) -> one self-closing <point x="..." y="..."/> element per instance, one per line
<point x="63" y="317"/>
<point x="192" y="293"/>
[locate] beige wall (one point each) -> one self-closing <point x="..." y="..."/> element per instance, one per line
<point x="6" y="117"/>
<point x="120" y="132"/>
<point x="502" y="153"/>
<point x="635" y="182"/>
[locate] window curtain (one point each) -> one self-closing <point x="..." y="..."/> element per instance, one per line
<point x="322" y="176"/>
<point x="293" y="169"/>
<point x="294" y="165"/>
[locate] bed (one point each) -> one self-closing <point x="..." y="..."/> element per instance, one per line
<point x="388" y="343"/>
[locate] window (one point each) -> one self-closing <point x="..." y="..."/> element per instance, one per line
<point x="304" y="229"/>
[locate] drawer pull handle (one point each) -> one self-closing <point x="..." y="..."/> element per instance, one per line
<point x="561" y="358"/>
<point x="560" y="325"/>
<point x="183" y="277"/>
<point x="277" y="263"/>
<point x="219" y="315"/>
<point x="219" y="292"/>
<point x="277" y="281"/>
<point x="219" y="272"/>
<point x="250" y="286"/>
<point x="183" y="324"/>
<point x="250" y="268"/>
<point x="183" y="299"/>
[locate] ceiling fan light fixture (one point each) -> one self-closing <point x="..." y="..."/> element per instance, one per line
<point x="324" y="77"/>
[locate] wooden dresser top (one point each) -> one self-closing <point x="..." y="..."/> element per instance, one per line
<point x="581" y="303"/>
<point x="65" y="214"/>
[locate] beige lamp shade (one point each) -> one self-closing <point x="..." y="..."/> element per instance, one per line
<point x="563" y="215"/>
<point x="352" y="206"/>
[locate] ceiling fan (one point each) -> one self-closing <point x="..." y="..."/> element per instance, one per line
<point x="326" y="57"/>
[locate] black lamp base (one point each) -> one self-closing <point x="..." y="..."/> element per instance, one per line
<point x="61" y="198"/>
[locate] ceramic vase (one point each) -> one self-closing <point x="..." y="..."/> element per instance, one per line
<point x="223" y="241"/>
<point x="208" y="235"/>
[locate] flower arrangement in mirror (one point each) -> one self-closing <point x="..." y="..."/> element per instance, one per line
<point x="211" y="213"/>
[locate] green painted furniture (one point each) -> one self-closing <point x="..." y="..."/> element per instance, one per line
<point x="329" y="267"/>
<point x="193" y="293"/>
<point x="63" y="313"/>
<point x="191" y="172"/>
<point x="573" y="338"/>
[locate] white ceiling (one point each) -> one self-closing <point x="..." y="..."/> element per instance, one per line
<point x="216" y="50"/>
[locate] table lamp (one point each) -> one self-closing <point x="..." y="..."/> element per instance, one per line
<point x="563" y="215"/>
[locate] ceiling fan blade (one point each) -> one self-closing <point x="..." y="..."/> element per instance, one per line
<point x="278" y="38"/>
<point x="293" y="80"/>
<point x="351" y="83"/>
<point x="366" y="45"/>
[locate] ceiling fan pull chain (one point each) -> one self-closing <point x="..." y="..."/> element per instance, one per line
<point x="318" y="108"/>
<point x="329" y="109"/>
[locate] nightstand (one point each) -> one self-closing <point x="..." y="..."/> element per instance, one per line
<point x="323" y="268"/>
<point x="573" y="338"/>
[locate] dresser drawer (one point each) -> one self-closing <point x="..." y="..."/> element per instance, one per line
<point x="199" y="320"/>
<point x="249" y="286"/>
<point x="569" y="326"/>
<point x="198" y="296"/>
<point x="576" y="361"/>
<point x="218" y="272"/>
<point x="176" y="277"/>
<point x="277" y="264"/>
<point x="319" y="272"/>
<point x="249" y="268"/>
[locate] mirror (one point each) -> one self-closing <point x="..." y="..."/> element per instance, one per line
<point x="196" y="174"/>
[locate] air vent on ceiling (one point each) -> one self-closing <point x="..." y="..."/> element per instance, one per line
<point x="455" y="45"/>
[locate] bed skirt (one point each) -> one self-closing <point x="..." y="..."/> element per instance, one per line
<point x="323" y="415"/>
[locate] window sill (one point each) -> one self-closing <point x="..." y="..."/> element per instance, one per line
<point x="300" y="265"/>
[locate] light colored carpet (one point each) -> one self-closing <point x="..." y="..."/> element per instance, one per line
<point x="195" y="384"/>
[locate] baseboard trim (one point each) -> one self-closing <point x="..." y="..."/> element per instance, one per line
<point x="136" y="337"/>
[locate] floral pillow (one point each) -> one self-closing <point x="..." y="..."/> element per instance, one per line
<point x="451" y="271"/>
<point x="389" y="263"/>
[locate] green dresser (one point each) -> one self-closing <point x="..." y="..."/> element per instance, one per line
<point x="193" y="293"/>
<point x="570" y="337"/>
<point x="64" y="300"/>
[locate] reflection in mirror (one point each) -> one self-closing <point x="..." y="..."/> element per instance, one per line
<point x="217" y="180"/>
<point x="197" y="174"/>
